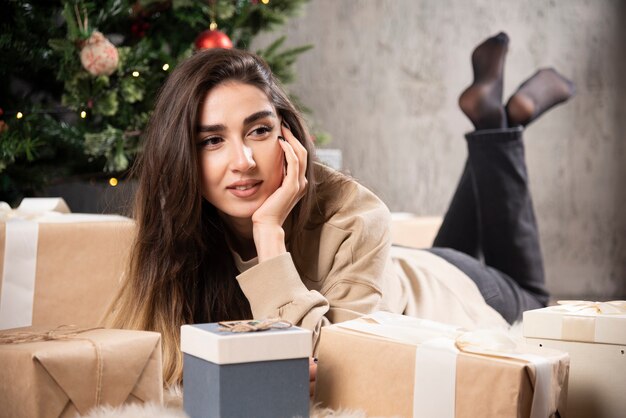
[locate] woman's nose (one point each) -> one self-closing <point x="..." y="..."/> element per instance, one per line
<point x="242" y="159"/>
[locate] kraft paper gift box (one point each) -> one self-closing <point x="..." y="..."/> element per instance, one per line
<point x="76" y="371"/>
<point x="245" y="374"/>
<point x="409" y="230"/>
<point x="594" y="335"/>
<point x="392" y="365"/>
<point x="58" y="268"/>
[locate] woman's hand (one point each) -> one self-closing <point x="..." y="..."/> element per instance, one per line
<point x="267" y="221"/>
<point x="312" y="375"/>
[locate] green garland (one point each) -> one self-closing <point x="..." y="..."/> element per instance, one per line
<point x="76" y="124"/>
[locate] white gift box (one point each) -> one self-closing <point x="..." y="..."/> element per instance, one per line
<point x="594" y="335"/>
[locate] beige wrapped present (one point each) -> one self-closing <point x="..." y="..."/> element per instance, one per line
<point x="594" y="335"/>
<point x="409" y="230"/>
<point x="76" y="371"/>
<point x="59" y="268"/>
<point x="393" y="365"/>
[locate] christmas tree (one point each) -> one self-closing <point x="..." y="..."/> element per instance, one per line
<point x="79" y="77"/>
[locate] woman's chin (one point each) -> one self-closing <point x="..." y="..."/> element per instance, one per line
<point x="239" y="215"/>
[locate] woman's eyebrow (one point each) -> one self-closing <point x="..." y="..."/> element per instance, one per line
<point x="211" y="128"/>
<point x="258" y="115"/>
<point x="253" y="117"/>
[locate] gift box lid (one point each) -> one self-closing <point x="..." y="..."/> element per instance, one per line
<point x="213" y="343"/>
<point x="51" y="210"/>
<point x="43" y="204"/>
<point x="595" y="322"/>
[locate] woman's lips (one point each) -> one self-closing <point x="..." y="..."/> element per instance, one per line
<point x="245" y="188"/>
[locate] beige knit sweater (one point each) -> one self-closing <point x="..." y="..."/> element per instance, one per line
<point x="348" y="267"/>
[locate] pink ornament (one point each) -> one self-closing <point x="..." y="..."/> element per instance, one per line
<point x="99" y="56"/>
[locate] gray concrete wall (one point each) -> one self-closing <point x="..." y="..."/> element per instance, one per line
<point x="384" y="79"/>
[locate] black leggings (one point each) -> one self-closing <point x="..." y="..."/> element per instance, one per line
<point x="491" y="218"/>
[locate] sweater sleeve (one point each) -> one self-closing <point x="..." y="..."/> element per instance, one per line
<point x="274" y="289"/>
<point x="345" y="269"/>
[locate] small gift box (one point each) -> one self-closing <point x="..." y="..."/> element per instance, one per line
<point x="393" y="365"/>
<point x="59" y="268"/>
<point x="228" y="373"/>
<point x="594" y="335"/>
<point x="65" y="372"/>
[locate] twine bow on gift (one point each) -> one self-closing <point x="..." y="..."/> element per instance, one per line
<point x="60" y="333"/>
<point x="255" y="325"/>
<point x="613" y="307"/>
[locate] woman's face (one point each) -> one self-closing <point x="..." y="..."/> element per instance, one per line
<point x="241" y="161"/>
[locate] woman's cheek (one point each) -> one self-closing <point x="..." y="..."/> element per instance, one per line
<point x="270" y="154"/>
<point x="212" y="169"/>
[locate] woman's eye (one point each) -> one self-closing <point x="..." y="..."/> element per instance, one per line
<point x="211" y="142"/>
<point x="261" y="132"/>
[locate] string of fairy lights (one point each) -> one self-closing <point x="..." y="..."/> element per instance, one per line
<point x="20" y="114"/>
<point x="82" y="113"/>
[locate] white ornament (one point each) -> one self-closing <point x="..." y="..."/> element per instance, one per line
<point x="99" y="56"/>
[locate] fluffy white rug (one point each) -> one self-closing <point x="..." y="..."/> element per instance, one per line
<point x="173" y="404"/>
<point x="136" y="411"/>
<point x="157" y="411"/>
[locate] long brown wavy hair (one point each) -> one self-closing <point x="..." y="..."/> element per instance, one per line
<point x="181" y="271"/>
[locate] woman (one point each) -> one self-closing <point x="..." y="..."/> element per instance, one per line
<point x="235" y="220"/>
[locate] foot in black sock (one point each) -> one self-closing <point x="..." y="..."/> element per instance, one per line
<point x="541" y="92"/>
<point x="482" y="101"/>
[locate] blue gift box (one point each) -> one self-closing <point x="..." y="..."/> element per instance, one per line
<point x="245" y="374"/>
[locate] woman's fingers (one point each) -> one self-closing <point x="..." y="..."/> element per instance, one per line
<point x="312" y="375"/>
<point x="293" y="169"/>
<point x="277" y="207"/>
<point x="301" y="153"/>
<point x="312" y="369"/>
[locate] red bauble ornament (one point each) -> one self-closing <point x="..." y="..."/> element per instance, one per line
<point x="213" y="39"/>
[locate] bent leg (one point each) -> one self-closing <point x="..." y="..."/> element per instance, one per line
<point x="482" y="103"/>
<point x="499" y="290"/>
<point x="459" y="229"/>
<point x="509" y="234"/>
